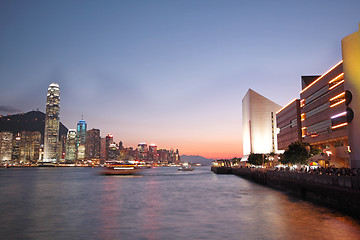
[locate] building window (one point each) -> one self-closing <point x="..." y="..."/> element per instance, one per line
<point x="303" y="132"/>
<point x="302" y="103"/>
<point x="303" y="116"/>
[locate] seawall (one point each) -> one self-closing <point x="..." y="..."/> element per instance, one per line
<point x="340" y="192"/>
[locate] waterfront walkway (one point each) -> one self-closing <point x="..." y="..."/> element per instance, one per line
<point x="337" y="188"/>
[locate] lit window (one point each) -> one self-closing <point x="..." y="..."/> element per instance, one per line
<point x="303" y="132"/>
<point x="302" y="103"/>
<point x="303" y="116"/>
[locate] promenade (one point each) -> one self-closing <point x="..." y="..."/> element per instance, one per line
<point x="333" y="189"/>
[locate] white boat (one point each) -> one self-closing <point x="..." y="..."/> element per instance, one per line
<point x="116" y="168"/>
<point x="186" y="168"/>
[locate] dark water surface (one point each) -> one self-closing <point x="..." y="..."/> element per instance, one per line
<point x="162" y="203"/>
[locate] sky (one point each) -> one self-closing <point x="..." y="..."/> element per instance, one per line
<point x="168" y="72"/>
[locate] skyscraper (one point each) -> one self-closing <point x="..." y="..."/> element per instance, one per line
<point x="152" y="154"/>
<point x="71" y="146"/>
<point x="6" y="139"/>
<point x="81" y="132"/>
<point x="51" y="137"/>
<point x="109" y="140"/>
<point x="81" y="139"/>
<point x="92" y="148"/>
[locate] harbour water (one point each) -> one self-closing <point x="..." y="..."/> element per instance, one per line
<point x="161" y="203"/>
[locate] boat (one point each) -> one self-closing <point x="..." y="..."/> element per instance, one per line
<point x="116" y="168"/>
<point x="186" y="167"/>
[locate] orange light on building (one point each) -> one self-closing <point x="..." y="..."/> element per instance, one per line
<point x="302" y="102"/>
<point x="339" y="125"/>
<point x="337" y="84"/>
<point x="318" y="79"/>
<point x="338" y="96"/>
<point x="335" y="104"/>
<point x="303" y="131"/>
<point x="336" y="78"/>
<point x="286" y="105"/>
<point x="303" y="117"/>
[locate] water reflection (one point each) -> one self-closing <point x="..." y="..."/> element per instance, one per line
<point x="161" y="204"/>
<point x="152" y="210"/>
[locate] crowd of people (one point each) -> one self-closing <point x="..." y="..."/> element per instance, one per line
<point x="332" y="170"/>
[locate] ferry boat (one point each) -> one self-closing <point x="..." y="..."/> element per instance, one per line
<point x="186" y="167"/>
<point x="116" y="168"/>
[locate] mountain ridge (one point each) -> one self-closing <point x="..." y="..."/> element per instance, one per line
<point x="197" y="159"/>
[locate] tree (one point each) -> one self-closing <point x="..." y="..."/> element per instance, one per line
<point x="256" y="159"/>
<point x="297" y="152"/>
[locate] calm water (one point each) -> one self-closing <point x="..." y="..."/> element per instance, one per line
<point x="162" y="203"/>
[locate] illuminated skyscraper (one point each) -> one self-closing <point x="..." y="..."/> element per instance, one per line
<point x="142" y="151"/>
<point x="81" y="132"/>
<point x="6" y="139"/>
<point x="152" y="154"/>
<point x="109" y="140"/>
<point x="71" y="146"/>
<point x="51" y="136"/>
<point x="81" y="139"/>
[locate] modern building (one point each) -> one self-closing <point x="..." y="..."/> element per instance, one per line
<point x="6" y="141"/>
<point x="103" y="148"/>
<point x="259" y="124"/>
<point x="81" y="139"/>
<point x="81" y="132"/>
<point x="29" y="148"/>
<point x="70" y="155"/>
<point x="323" y="115"/>
<point x="93" y="142"/>
<point x="51" y="136"/>
<point x="288" y="120"/>
<point x="109" y="139"/>
<point x="142" y="151"/>
<point x="163" y="155"/>
<point x="152" y="154"/>
<point x="177" y="157"/>
<point x="15" y="153"/>
<point x="113" y="152"/>
<point x="62" y="148"/>
<point x="351" y="65"/>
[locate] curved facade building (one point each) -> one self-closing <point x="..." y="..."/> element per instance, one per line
<point x="259" y="124"/>
<point x="52" y="120"/>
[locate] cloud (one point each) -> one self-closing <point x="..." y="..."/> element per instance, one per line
<point x="8" y="109"/>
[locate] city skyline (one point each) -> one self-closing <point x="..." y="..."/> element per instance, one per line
<point x="173" y="73"/>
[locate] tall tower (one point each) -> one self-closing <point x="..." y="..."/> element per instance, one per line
<point x="109" y="140"/>
<point x="81" y="132"/>
<point x="70" y="155"/>
<point x="51" y="137"/>
<point x="92" y="147"/>
<point x="81" y="139"/>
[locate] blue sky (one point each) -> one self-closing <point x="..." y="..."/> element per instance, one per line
<point x="169" y="72"/>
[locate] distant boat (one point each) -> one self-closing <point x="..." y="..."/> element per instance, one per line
<point x="186" y="168"/>
<point x="116" y="168"/>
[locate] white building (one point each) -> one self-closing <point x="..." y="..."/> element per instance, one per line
<point x="259" y="124"/>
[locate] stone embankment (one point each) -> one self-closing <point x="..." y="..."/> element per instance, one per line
<point x="340" y="192"/>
